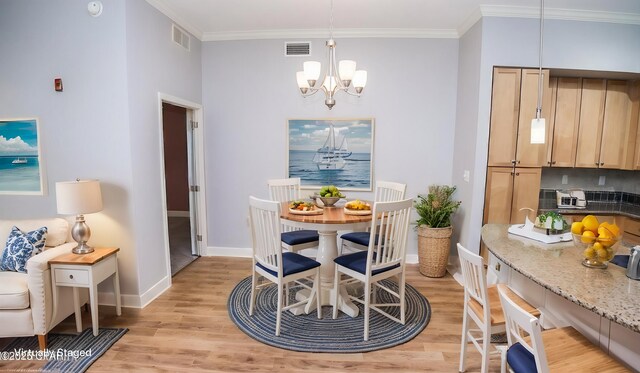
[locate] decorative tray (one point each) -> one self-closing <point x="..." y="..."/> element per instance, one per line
<point x="315" y="211"/>
<point x="356" y="212"/>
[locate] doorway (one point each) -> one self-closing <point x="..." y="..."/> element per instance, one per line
<point x="182" y="169"/>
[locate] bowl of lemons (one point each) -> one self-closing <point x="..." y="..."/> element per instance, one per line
<point x="598" y="241"/>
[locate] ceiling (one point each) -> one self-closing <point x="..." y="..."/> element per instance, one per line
<point x="263" y="19"/>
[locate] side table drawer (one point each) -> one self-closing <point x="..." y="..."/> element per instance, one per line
<point x="72" y="276"/>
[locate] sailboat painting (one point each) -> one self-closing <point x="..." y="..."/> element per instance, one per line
<point x="331" y="152"/>
<point x="20" y="163"/>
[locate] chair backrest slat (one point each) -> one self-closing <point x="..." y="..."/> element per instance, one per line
<point x="474" y="278"/>
<point x="264" y="219"/>
<point x="388" y="234"/>
<point x="284" y="190"/>
<point x="520" y="324"/>
<point x="388" y="191"/>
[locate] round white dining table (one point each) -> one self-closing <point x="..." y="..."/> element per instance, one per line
<point x="332" y="220"/>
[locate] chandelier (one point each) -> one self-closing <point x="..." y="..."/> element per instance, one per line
<point x="337" y="78"/>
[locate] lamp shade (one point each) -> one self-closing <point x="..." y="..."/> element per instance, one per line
<point x="78" y="197"/>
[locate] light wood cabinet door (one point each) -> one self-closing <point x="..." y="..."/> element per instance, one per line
<point x="498" y="194"/>
<point x="591" y="121"/>
<point x="505" y="106"/>
<point x="526" y="192"/>
<point x="528" y="154"/>
<point x="566" y="122"/>
<point x="618" y="136"/>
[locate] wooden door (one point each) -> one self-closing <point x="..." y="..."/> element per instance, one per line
<point x="591" y="121"/>
<point x="616" y="144"/>
<point x="528" y="154"/>
<point x="566" y="122"/>
<point x="498" y="194"/>
<point x="505" y="104"/>
<point x="526" y="193"/>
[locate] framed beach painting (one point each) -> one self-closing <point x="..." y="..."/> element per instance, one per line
<point x="20" y="157"/>
<point x="331" y="152"/>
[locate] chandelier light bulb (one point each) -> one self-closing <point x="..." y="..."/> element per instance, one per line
<point x="346" y="70"/>
<point x="360" y="80"/>
<point x="312" y="71"/>
<point x="303" y="84"/>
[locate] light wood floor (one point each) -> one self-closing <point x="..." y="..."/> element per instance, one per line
<point x="188" y="329"/>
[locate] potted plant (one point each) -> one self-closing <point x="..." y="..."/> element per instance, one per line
<point x="434" y="229"/>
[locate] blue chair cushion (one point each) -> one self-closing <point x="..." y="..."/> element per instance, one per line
<point x="293" y="263"/>
<point x="360" y="238"/>
<point x="358" y="262"/>
<point x="520" y="359"/>
<point x="299" y="237"/>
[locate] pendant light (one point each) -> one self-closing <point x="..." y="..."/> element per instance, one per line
<point x="338" y="77"/>
<point x="538" y="124"/>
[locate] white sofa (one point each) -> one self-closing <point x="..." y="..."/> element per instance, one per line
<point x="26" y="299"/>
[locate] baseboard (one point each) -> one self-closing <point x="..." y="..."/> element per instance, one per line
<point x="411" y="259"/>
<point x="135" y="301"/>
<point x="178" y="214"/>
<point x="240" y="252"/>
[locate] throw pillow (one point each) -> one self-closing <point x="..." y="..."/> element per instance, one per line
<point x="20" y="247"/>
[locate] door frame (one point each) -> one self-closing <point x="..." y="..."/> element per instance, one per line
<point x="198" y="141"/>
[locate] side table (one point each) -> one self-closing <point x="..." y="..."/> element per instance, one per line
<point x="86" y="271"/>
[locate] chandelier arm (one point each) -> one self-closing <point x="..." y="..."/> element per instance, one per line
<point x="311" y="92"/>
<point x="351" y="93"/>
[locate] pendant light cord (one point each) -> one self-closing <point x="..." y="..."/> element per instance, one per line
<point x="331" y="22"/>
<point x="539" y="107"/>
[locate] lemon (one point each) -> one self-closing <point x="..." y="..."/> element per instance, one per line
<point x="588" y="237"/>
<point x="577" y="227"/>
<point x="590" y="223"/>
<point x="589" y="253"/>
<point x="614" y="229"/>
<point x="602" y="254"/>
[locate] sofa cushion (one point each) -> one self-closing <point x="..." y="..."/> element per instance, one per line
<point x="14" y="292"/>
<point x="57" y="229"/>
<point x="20" y="247"/>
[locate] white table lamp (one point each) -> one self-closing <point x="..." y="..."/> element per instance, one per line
<point x="77" y="198"/>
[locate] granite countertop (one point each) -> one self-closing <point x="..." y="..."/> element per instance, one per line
<point x="558" y="267"/>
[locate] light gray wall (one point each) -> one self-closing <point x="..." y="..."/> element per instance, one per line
<point x="105" y="124"/>
<point x="466" y="131"/>
<point x="249" y="91"/>
<point x="154" y="64"/>
<point x="568" y="44"/>
<point x="84" y="129"/>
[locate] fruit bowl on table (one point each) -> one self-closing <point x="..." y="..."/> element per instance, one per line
<point x="597" y="251"/>
<point x="327" y="201"/>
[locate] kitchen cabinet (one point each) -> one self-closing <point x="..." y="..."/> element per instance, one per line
<point x="514" y="99"/>
<point x="631" y="231"/>
<point x="606" y="136"/>
<point x="508" y="190"/>
<point x="567" y="93"/>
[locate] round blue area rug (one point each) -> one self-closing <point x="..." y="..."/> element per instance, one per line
<point x="307" y="333"/>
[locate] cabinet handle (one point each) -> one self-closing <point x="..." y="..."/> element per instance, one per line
<point x="597" y="163"/>
<point x="512" y="173"/>
<point x="518" y="162"/>
<point x="601" y="163"/>
<point x="71" y="277"/>
<point x="513" y="161"/>
<point x="554" y="162"/>
<point x="498" y="267"/>
<point x="549" y="163"/>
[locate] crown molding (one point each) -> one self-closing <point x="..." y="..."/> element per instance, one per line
<point x="324" y="34"/>
<point x="164" y="9"/>
<point x="559" y="14"/>
<point x="424" y="33"/>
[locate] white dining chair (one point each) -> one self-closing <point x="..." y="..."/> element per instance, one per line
<point x="270" y="262"/>
<point x="383" y="259"/>
<point x="532" y="349"/>
<point x="386" y="191"/>
<point x="293" y="239"/>
<point x="482" y="306"/>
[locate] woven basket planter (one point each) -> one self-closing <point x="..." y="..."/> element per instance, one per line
<point x="433" y="250"/>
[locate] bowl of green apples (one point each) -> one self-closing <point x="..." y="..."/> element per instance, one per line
<point x="329" y="195"/>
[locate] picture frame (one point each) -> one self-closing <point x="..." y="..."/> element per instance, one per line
<point x="21" y="166"/>
<point x="331" y="152"/>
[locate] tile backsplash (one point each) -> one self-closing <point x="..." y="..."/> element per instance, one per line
<point x="597" y="200"/>
<point x="588" y="179"/>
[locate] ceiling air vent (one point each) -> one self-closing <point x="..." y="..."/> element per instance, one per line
<point x="180" y="37"/>
<point x="297" y="48"/>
